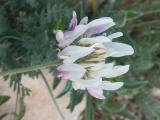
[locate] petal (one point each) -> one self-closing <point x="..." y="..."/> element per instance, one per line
<point x="70" y="71"/>
<point x="76" y="85"/>
<point x="72" y="53"/>
<point x="93" y="40"/>
<point x="118" y="49"/>
<point x="116" y="71"/>
<point x="100" y="21"/>
<point x="115" y="35"/>
<point x="83" y="84"/>
<point x="70" y="36"/>
<point x="94" y="69"/>
<point x="99" y="25"/>
<point x="59" y="36"/>
<point x="101" y="70"/>
<point x="108" y="70"/>
<point x="73" y="22"/>
<point x="96" y="92"/>
<point x="84" y="21"/>
<point x="107" y="85"/>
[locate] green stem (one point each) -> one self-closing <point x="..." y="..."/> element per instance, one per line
<point x="52" y="96"/>
<point x="89" y="112"/>
<point x="27" y="69"/>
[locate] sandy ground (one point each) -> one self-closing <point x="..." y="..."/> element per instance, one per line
<point x="39" y="105"/>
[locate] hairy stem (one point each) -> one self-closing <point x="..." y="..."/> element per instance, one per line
<point x="27" y="69"/>
<point x="16" y="104"/>
<point x="52" y="96"/>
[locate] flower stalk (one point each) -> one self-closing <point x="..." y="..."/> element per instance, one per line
<point x="89" y="112"/>
<point x="52" y="95"/>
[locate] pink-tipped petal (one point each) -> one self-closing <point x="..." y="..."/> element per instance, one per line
<point x="96" y="92"/>
<point x="70" y="36"/>
<point x="73" y="22"/>
<point x="99" y="25"/>
<point x="70" y="71"/>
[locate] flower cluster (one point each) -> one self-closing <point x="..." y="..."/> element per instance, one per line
<point x="84" y="51"/>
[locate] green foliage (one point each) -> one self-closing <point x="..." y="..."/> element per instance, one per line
<point x="66" y="89"/>
<point x="4" y="99"/>
<point x="150" y="106"/>
<point x="3" y="116"/>
<point x="75" y="98"/>
<point x="56" y="81"/>
<point x="22" y="107"/>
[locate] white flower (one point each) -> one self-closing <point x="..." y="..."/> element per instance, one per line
<point x="84" y="55"/>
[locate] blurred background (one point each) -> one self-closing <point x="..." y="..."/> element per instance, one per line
<point x="27" y="39"/>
